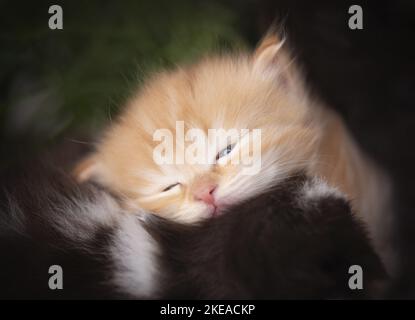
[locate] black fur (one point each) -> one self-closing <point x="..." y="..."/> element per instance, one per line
<point x="26" y="254"/>
<point x="273" y="246"/>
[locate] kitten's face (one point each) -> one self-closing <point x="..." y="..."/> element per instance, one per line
<point x="246" y="92"/>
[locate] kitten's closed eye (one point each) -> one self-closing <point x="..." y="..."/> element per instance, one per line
<point x="225" y="151"/>
<point x="171" y="186"/>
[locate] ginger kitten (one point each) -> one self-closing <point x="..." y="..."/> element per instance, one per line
<point x="264" y="91"/>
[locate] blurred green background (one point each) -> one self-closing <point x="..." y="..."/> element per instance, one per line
<point x="55" y="83"/>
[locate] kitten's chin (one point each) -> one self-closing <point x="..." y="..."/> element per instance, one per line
<point x="195" y="215"/>
<point x="214" y="211"/>
<point x="209" y="212"/>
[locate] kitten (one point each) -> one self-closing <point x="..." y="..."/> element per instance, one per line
<point x="263" y="90"/>
<point x="297" y="240"/>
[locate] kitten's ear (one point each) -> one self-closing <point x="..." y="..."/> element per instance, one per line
<point x="266" y="53"/>
<point x="89" y="169"/>
<point x="272" y="58"/>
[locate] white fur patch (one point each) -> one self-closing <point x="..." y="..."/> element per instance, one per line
<point x="79" y="219"/>
<point x="134" y="253"/>
<point x="317" y="189"/>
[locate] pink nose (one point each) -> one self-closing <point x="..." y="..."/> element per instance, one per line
<point x="205" y="193"/>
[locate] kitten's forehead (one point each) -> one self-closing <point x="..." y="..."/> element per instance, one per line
<point x="215" y="93"/>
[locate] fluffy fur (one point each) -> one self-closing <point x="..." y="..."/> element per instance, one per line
<point x="47" y="219"/>
<point x="263" y="90"/>
<point x="285" y="243"/>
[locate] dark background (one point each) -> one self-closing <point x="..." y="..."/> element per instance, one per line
<point x="59" y="87"/>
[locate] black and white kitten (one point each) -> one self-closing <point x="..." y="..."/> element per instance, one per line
<point x="295" y="241"/>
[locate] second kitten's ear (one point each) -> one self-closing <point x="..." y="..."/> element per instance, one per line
<point x="89" y="169"/>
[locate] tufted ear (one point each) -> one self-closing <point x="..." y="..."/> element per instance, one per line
<point x="272" y="58"/>
<point x="266" y="53"/>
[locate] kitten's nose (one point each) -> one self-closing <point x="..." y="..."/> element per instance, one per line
<point x="205" y="193"/>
